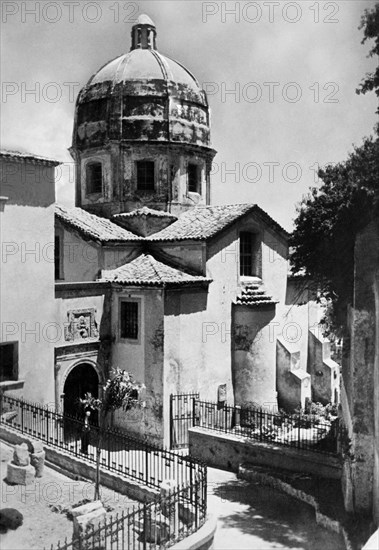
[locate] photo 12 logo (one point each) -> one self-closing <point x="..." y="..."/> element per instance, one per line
<point x="71" y="12"/>
<point x="270" y="12"/>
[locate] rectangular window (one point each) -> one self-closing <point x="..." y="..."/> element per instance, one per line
<point x="129" y="320"/>
<point x="145" y="175"/>
<point x="246" y="253"/>
<point x="57" y="257"/>
<point x="8" y="361"/>
<point x="193" y="178"/>
<point x="94" y="177"/>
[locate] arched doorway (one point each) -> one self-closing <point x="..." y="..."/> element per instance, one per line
<point x="81" y="379"/>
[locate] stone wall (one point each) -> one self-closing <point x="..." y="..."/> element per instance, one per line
<point x="360" y="377"/>
<point x="227" y="452"/>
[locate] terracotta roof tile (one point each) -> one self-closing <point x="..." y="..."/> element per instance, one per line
<point x="146" y="270"/>
<point x="19" y="156"/>
<point x="145" y="211"/>
<point x="203" y="222"/>
<point x="94" y="227"/>
<point x="254" y="295"/>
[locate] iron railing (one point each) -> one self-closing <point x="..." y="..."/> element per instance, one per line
<point x="181" y="418"/>
<point x="161" y="522"/>
<point x="302" y="431"/>
<point x="120" y="452"/>
<point x="158" y="524"/>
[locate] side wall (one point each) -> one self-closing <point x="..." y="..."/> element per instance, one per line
<point x="27" y="273"/>
<point x="359" y="375"/>
<point x="143" y="358"/>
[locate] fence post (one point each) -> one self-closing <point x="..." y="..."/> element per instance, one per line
<point x="171" y="420"/>
<point x="145" y="526"/>
<point x="194" y="412"/>
<point x="22" y="416"/>
<point x="147" y="466"/>
<point x="47" y="425"/>
<point x="298" y="433"/>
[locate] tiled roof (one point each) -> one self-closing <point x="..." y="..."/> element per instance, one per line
<point x="94" y="227"/>
<point x="254" y="295"/>
<point x="146" y="270"/>
<point x="203" y="222"/>
<point x="145" y="211"/>
<point x="18" y="156"/>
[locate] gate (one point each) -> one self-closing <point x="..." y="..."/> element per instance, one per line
<point x="181" y="418"/>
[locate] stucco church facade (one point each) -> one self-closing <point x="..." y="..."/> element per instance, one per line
<point x="154" y="279"/>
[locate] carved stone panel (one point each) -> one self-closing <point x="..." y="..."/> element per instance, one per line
<point x="81" y="325"/>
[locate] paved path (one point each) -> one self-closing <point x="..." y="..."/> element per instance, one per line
<point x="253" y="517"/>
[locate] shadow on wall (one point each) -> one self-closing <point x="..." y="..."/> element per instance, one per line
<point x="185" y="302"/>
<point x="253" y="354"/>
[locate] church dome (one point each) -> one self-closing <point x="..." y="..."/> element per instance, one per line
<point x="142" y="96"/>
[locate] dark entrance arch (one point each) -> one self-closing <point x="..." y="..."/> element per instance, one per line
<point x="81" y="380"/>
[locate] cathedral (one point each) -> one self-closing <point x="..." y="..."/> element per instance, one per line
<point x="150" y="276"/>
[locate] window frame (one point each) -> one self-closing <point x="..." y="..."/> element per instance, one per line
<point x="194" y="166"/>
<point x="137" y="301"/>
<point x="15" y="365"/>
<point x="138" y="164"/>
<point x="58" y="256"/>
<point x="89" y="184"/>
<point x="254" y="270"/>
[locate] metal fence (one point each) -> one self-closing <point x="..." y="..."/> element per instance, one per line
<point x="162" y="522"/>
<point x="121" y="453"/>
<point x="181" y="418"/>
<point x="159" y="524"/>
<point x="302" y="431"/>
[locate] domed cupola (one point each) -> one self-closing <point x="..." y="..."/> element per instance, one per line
<point x="138" y="109"/>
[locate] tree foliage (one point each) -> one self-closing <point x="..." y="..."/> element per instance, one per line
<point x="120" y="392"/>
<point x="329" y="220"/>
<point x="370" y="26"/>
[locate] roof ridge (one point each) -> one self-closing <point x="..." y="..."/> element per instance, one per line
<point x="150" y="258"/>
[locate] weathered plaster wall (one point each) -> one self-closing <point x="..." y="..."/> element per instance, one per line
<point x="359" y="377"/>
<point x="255" y="329"/>
<point x="89" y="344"/>
<point x="325" y="372"/>
<point x="116" y="256"/>
<point x="188" y="255"/>
<point x="376" y="407"/>
<point x="119" y="171"/>
<point x="81" y="258"/>
<point x="227" y="451"/>
<point x="27" y="272"/>
<point x="293" y="383"/>
<point x="185" y="361"/>
<point x="254" y="357"/>
<point x="301" y="312"/>
<point x="142" y="358"/>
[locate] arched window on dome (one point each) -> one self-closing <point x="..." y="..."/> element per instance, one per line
<point x="94" y="178"/>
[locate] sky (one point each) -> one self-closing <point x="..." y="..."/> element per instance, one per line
<point x="280" y="76"/>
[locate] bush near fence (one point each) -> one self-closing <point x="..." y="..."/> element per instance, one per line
<point x="307" y="431"/>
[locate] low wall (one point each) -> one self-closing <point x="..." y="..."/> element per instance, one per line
<point x="228" y="451"/>
<point x="74" y="466"/>
<point x="202" y="539"/>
